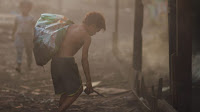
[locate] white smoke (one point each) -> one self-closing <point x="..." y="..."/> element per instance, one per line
<point x="195" y="68"/>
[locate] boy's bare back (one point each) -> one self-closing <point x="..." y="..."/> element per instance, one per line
<point x="75" y="38"/>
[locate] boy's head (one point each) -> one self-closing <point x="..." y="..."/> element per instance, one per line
<point x="25" y="6"/>
<point x="95" y="22"/>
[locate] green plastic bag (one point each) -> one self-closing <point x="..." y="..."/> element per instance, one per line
<point x="50" y="30"/>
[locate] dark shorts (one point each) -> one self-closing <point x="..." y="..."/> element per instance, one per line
<point x="65" y="76"/>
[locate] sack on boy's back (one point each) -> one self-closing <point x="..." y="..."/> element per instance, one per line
<point x="50" y="30"/>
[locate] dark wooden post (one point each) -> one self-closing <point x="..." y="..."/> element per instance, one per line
<point x="172" y="45"/>
<point x="137" y="41"/>
<point x="115" y="48"/>
<point x="116" y="16"/>
<point x="115" y="33"/>
<point x="137" y="46"/>
<point x="143" y="88"/>
<point x="153" y="100"/>
<point x="160" y="86"/>
<point x="180" y="54"/>
<point x="183" y="72"/>
<point x="196" y="52"/>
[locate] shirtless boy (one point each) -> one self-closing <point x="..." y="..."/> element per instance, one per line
<point x="64" y="70"/>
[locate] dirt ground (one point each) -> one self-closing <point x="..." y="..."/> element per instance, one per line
<point x="32" y="91"/>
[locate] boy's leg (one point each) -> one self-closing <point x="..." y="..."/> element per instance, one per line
<point x="19" y="58"/>
<point x="29" y="56"/>
<point x="29" y="52"/>
<point x="66" y="101"/>
<point x="62" y="98"/>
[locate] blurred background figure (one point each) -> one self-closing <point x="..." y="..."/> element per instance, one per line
<point x="157" y="10"/>
<point x="23" y="34"/>
<point x="151" y="5"/>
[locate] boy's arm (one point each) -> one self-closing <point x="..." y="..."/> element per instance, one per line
<point x="33" y="25"/>
<point x="85" y="64"/>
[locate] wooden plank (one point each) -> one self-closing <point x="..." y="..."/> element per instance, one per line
<point x="147" y="107"/>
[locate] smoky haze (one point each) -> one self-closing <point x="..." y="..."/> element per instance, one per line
<point x="155" y="38"/>
<point x="104" y="66"/>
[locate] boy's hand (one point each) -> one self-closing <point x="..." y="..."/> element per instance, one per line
<point x="88" y="88"/>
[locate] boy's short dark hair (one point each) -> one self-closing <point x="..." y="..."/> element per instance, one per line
<point x="95" y="18"/>
<point x="26" y="3"/>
